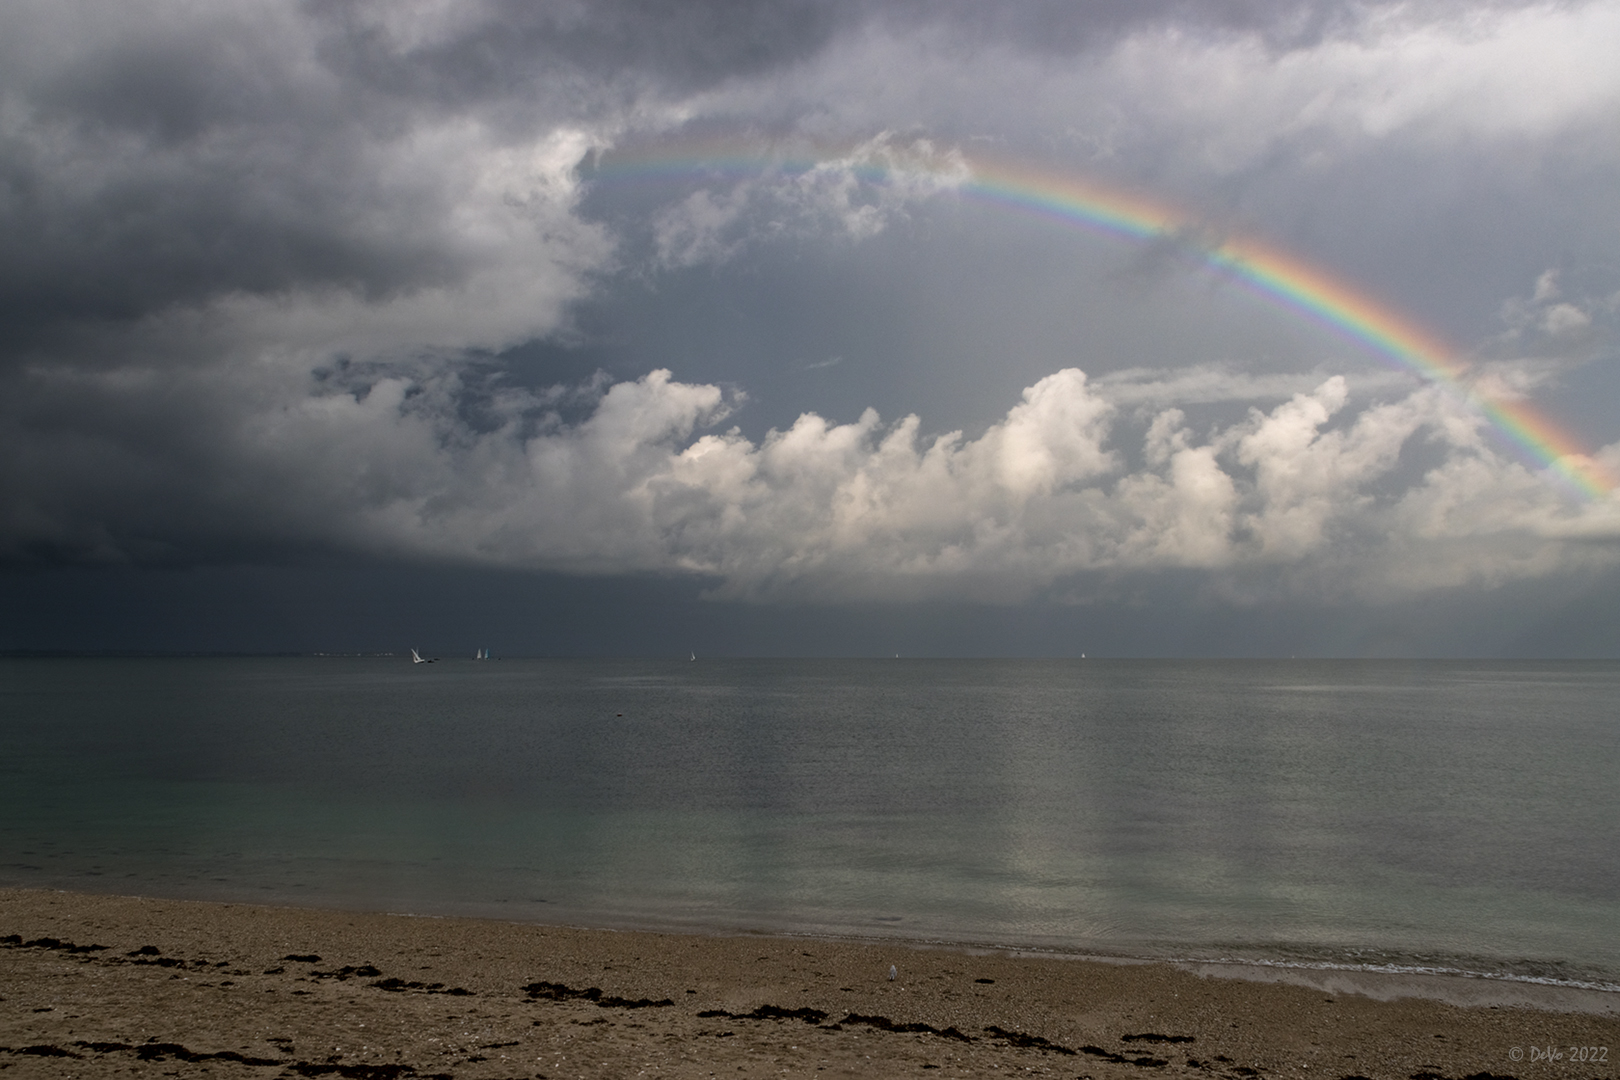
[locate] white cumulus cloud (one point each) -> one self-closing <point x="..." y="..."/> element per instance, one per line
<point x="1311" y="491"/>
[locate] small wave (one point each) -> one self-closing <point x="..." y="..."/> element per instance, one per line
<point x="1404" y="969"/>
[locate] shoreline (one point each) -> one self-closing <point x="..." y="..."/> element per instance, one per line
<point x="1387" y="980"/>
<point x="126" y="986"/>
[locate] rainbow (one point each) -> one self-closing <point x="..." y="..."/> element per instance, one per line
<point x="1277" y="275"/>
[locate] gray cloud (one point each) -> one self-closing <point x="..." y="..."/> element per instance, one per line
<point x="647" y="481"/>
<point x="261" y="268"/>
<point x="156" y="154"/>
<point x="162" y="157"/>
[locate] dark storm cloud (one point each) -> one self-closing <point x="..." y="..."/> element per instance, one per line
<point x="160" y="154"/>
<point x="505" y="47"/>
<point x="1055" y="26"/>
<point x="169" y="157"/>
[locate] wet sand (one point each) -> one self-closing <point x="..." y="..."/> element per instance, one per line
<point x="99" y="986"/>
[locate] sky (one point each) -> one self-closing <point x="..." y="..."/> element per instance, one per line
<point x="802" y="328"/>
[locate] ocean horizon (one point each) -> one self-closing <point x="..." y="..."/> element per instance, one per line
<point x="1447" y="816"/>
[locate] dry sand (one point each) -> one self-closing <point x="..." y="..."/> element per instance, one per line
<point x="100" y="986"/>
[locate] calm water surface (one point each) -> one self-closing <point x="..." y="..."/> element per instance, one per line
<point x="1447" y="815"/>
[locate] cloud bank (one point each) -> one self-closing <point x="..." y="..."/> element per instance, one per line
<point x="1061" y="496"/>
<point x="261" y="268"/>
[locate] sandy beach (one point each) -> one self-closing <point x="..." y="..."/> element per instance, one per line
<point x="94" y="986"/>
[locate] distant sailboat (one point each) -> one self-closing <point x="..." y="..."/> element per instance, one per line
<point x="694" y="656"/>
<point x="417" y="658"/>
<point x="481" y="654"/>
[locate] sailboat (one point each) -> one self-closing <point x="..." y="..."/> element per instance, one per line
<point x="417" y="658"/>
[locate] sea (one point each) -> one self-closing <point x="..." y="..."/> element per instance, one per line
<point x="1439" y="816"/>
